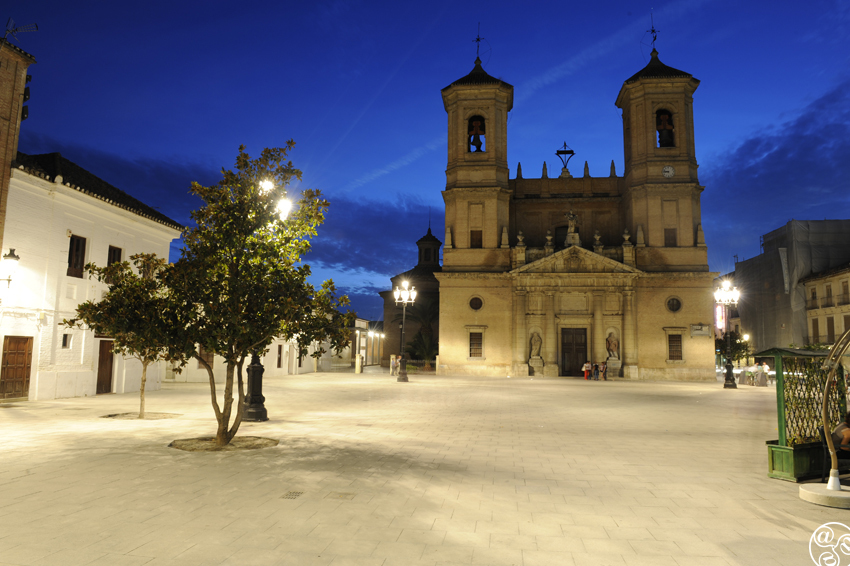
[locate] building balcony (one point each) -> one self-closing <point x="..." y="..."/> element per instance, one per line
<point x="827" y="302"/>
<point x="812" y="304"/>
<point x="843" y="299"/>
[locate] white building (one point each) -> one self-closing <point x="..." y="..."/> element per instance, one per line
<point x="282" y="359"/>
<point x="58" y="218"/>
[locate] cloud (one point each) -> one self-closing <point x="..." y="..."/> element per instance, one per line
<point x="361" y="236"/>
<point x="798" y="169"/>
<point x="406" y="159"/>
<point x="606" y="45"/>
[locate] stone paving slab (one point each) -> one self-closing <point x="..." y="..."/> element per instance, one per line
<point x="440" y="471"/>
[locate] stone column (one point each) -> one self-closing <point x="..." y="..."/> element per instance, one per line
<point x="628" y="342"/>
<point x="599" y="352"/>
<point x="550" y="358"/>
<point x="520" y="368"/>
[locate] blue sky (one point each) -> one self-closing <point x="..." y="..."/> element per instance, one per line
<point x="151" y="96"/>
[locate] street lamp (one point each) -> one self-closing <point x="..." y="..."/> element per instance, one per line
<point x="255" y="409"/>
<point x="404" y="296"/>
<point x="8" y="266"/>
<point x="727" y="296"/>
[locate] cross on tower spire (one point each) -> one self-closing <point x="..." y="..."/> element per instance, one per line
<point x="652" y="30"/>
<point x="477" y="40"/>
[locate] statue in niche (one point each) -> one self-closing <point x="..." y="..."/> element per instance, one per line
<point x="536" y="343"/>
<point x="571" y="222"/>
<point x="612" y="344"/>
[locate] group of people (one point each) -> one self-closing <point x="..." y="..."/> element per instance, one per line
<point x="594" y="370"/>
<point x="757" y="375"/>
<point x="395" y="364"/>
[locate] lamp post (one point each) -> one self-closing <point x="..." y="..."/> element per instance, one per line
<point x="727" y="296"/>
<point x="255" y="409"/>
<point x="404" y="296"/>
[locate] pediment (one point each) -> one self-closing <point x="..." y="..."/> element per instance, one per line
<point x="575" y="260"/>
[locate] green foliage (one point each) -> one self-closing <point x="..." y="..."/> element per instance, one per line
<point x="422" y="347"/>
<point x="132" y="312"/>
<point x="740" y="347"/>
<point x="816" y="347"/>
<point x="240" y="281"/>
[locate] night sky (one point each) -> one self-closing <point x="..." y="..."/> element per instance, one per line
<point x="153" y="95"/>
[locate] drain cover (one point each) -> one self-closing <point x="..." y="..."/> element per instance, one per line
<point x="292" y="495"/>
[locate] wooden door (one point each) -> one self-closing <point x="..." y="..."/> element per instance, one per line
<point x="573" y="350"/>
<point x="16" y="367"/>
<point x="104" y="367"/>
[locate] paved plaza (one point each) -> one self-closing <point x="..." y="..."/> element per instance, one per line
<point x="439" y="471"/>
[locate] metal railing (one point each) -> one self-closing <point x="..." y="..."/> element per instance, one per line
<point x="843" y="299"/>
<point x="826" y="302"/>
<point x="812" y="304"/>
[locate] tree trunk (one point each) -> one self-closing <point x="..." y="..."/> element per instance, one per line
<point x="222" y="436"/>
<point x="145" y="365"/>
<point x="240" y="407"/>
<point x="216" y="408"/>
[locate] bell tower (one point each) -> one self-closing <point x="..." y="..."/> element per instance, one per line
<point x="13" y="94"/>
<point x="477" y="197"/>
<point x="662" y="198"/>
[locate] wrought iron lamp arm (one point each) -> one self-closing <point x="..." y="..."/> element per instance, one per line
<point x="832" y="363"/>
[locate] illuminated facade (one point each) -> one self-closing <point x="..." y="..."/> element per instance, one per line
<point x="542" y="274"/>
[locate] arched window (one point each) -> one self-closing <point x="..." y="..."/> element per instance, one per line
<point x="476" y="131"/>
<point x="665" y="129"/>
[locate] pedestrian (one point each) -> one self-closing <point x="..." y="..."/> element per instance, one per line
<point x="393" y="366"/>
<point x="604" y="371"/>
<point x="586" y="369"/>
<point x="595" y="371"/>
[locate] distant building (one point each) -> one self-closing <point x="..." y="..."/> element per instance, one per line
<point x="793" y="292"/>
<point x="542" y="274"/>
<point x="827" y="304"/>
<point x="428" y="295"/>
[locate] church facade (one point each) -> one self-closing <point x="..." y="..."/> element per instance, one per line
<point x="541" y="275"/>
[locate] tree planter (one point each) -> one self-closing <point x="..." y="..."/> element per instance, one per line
<point x="796" y="463"/>
<point x="798" y="453"/>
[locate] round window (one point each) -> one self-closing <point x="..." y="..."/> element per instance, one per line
<point x="475" y="303"/>
<point x="674" y="304"/>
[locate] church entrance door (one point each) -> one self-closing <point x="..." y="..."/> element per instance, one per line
<point x="573" y="350"/>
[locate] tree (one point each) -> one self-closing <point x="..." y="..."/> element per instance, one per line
<point x="240" y="281"/>
<point x="423" y="347"/>
<point x="740" y="347"/>
<point x="131" y="312"/>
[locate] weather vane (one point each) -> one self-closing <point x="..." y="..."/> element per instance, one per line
<point x="478" y="39"/>
<point x="652" y="29"/>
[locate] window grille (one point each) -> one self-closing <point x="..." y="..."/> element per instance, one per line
<point x="674" y="347"/>
<point x="207" y="356"/>
<point x="476" y="344"/>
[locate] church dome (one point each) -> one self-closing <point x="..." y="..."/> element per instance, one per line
<point x="655" y="69"/>
<point x="429" y="238"/>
